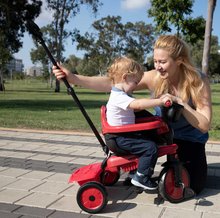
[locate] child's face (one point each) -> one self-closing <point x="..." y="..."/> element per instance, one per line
<point x="130" y="83"/>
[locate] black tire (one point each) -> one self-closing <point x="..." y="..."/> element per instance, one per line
<point x="92" y="197"/>
<point x="109" y="178"/>
<point x="167" y="188"/>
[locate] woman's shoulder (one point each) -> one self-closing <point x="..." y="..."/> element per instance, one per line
<point x="149" y="78"/>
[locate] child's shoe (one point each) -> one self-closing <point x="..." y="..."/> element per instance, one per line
<point x="144" y="182"/>
<point x="132" y="173"/>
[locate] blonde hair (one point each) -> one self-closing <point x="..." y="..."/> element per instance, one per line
<point x="191" y="83"/>
<point x="124" y="65"/>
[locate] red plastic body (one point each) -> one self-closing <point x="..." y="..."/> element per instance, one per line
<point x="93" y="172"/>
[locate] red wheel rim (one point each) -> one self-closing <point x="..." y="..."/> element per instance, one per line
<point x="92" y="198"/>
<point x="171" y="189"/>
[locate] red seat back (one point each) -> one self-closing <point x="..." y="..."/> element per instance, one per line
<point x="146" y="123"/>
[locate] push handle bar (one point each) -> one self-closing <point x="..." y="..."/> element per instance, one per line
<point x="37" y="34"/>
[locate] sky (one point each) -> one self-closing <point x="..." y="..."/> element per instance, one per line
<point x="129" y="10"/>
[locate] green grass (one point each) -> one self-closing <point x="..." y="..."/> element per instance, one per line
<point x="32" y="104"/>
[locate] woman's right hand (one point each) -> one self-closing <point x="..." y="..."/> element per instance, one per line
<point x="165" y="99"/>
<point x="60" y="72"/>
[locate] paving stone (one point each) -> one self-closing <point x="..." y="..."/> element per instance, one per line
<point x="8" y="207"/>
<point x="211" y="215"/>
<point x="189" y="204"/>
<point x="39" y="200"/>
<point x="140" y="211"/>
<point x="33" y="211"/>
<point x="13" y="172"/>
<point x="25" y="184"/>
<point x="68" y="151"/>
<point x="84" y="161"/>
<point x="72" y="191"/>
<point x="98" y="154"/>
<point x="118" y="193"/>
<point x="83" y="152"/>
<point x="9" y="215"/>
<point x="5" y="180"/>
<point x="44" y="157"/>
<point x="37" y="175"/>
<point x="52" y="187"/>
<point x="24" y="155"/>
<point x="59" y="214"/>
<point x="59" y="177"/>
<point x="141" y="198"/>
<point x="181" y="213"/>
<point x="66" y="203"/>
<point x="8" y="153"/>
<point x="62" y="159"/>
<point x="209" y="201"/>
<point x="11" y="195"/>
<point x="45" y="148"/>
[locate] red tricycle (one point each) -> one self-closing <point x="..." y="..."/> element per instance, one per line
<point x="173" y="181"/>
<point x="92" y="197"/>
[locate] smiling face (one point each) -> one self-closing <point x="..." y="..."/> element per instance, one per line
<point x="165" y="65"/>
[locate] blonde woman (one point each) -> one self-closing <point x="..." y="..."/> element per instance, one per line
<point x="175" y="76"/>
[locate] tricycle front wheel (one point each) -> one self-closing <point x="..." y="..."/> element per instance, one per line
<point x="92" y="197"/>
<point x="167" y="187"/>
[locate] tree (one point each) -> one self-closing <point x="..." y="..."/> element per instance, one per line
<point x="139" y="40"/>
<point x="214" y="60"/>
<point x="13" y="16"/>
<point x="38" y="55"/>
<point x="63" y="11"/>
<point x="111" y="39"/>
<point x="103" y="44"/>
<point x="208" y="33"/>
<point x="175" y="13"/>
<point x="72" y="62"/>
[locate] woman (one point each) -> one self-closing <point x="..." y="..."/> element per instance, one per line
<point x="175" y="76"/>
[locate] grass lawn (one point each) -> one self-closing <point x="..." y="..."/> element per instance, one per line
<point x="32" y="104"/>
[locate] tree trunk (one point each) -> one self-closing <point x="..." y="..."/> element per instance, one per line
<point x="57" y="88"/>
<point x="208" y="34"/>
<point x="2" y="87"/>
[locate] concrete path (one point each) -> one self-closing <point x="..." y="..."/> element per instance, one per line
<point x="35" y="167"/>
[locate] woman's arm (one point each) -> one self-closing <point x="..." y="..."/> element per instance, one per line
<point x="200" y="117"/>
<point x="96" y="83"/>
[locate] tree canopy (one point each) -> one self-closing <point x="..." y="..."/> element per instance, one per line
<point x="13" y="16"/>
<point x="111" y="38"/>
<point x="173" y="15"/>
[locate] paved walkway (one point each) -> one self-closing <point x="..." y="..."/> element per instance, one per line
<point x="35" y="168"/>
